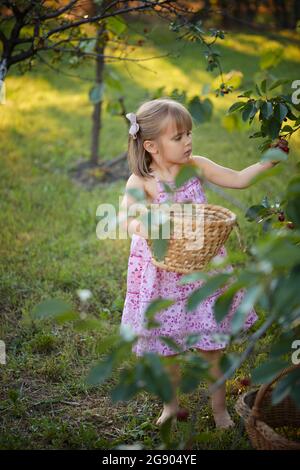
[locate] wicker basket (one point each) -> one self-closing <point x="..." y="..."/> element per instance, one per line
<point x="183" y="254"/>
<point x="261" y="417"/>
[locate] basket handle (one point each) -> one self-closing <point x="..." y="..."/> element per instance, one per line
<point x="255" y="413"/>
<point x="240" y="237"/>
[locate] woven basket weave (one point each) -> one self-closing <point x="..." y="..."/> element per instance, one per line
<point x="182" y="255"/>
<point x="261" y="417"/>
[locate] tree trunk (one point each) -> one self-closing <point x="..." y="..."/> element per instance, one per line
<point x="97" y="111"/>
<point x="224" y="17"/>
<point x="296" y="13"/>
<point x="3" y="69"/>
<point x="281" y="14"/>
<point x="3" y="73"/>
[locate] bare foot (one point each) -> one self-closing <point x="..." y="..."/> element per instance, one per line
<point x="223" y="419"/>
<point x="169" y="411"/>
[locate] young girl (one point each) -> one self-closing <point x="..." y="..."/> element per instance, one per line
<point x="160" y="142"/>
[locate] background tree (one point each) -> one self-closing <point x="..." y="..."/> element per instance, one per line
<point x="31" y="28"/>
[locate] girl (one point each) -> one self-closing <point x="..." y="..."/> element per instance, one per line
<point x="160" y="142"/>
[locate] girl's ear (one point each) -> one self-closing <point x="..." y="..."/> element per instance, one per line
<point x="150" y="146"/>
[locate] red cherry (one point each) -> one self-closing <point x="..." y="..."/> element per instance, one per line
<point x="182" y="414"/>
<point x="282" y="144"/>
<point x="290" y="225"/>
<point x="281" y="217"/>
<point x="245" y="382"/>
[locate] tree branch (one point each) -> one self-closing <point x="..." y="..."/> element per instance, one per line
<point x="93" y="19"/>
<point x="58" y="12"/>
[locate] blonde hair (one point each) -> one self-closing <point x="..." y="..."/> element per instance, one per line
<point x="151" y="117"/>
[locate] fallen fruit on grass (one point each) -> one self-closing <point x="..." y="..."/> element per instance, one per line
<point x="182" y="414"/>
<point x="245" y="381"/>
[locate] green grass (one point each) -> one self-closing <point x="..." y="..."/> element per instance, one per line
<point x="49" y="246"/>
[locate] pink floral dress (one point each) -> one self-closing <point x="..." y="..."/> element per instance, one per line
<point x="146" y="282"/>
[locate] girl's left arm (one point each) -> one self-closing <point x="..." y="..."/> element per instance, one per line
<point x="228" y="178"/>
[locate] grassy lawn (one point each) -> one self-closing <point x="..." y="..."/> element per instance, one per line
<point x="49" y="246"/>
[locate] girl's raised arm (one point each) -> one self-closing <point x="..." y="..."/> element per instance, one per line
<point x="226" y="177"/>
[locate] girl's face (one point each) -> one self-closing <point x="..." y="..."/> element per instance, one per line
<point x="174" y="147"/>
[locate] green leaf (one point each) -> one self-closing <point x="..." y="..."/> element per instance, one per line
<point x="96" y="93"/>
<point x="286" y="386"/>
<point x="236" y="106"/>
<point x="268" y="371"/>
<point x="185" y="173"/>
<point x="106" y="344"/>
<point x="113" y="108"/>
<point x="273" y="127"/>
<point x="250" y="298"/>
<point x="277" y="83"/>
<point x="192" y="277"/>
<point x="283" y="254"/>
<point x="208" y="289"/>
<point x="223" y="303"/>
<point x="287" y="294"/>
<point x="88" y="324"/>
<point x="275" y="171"/>
<point x="205" y="88"/>
<point x="246" y="94"/>
<point x="249" y="111"/>
<point x="156" y="306"/>
<point x="280" y="112"/>
<point x="293" y="211"/>
<point x="293" y="188"/>
<point x="137" y="194"/>
<point x="88" y="46"/>
<point x="271" y="57"/>
<point x="256" y="212"/>
<point x="55" y="308"/>
<point x="258" y="90"/>
<point x="227" y="361"/>
<point x="267" y="109"/>
<point x="116" y="24"/>
<point x="263" y="86"/>
<point x="167" y="187"/>
<point x="156" y="378"/>
<point x="101" y="372"/>
<point x="194" y="371"/>
<point x="171" y="343"/>
<point x="192" y="339"/>
<point x="274" y="154"/>
<point x="127" y="388"/>
<point x="114" y="82"/>
<point x="282" y="345"/>
<point x="265" y="202"/>
<point x="159" y="248"/>
<point x="201" y="111"/>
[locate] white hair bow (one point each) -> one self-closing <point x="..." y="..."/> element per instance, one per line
<point x="134" y="128"/>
